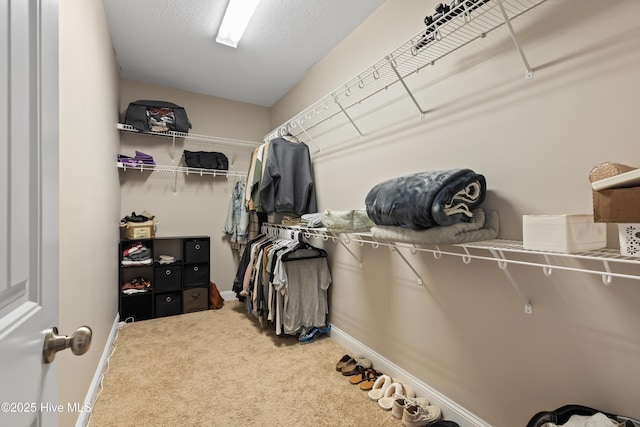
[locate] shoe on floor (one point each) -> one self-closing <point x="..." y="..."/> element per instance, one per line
<point x="347" y="358"/>
<point x="371" y="376"/>
<point x="380" y="387"/>
<point x="420" y="415"/>
<point x="365" y="375"/>
<point x="402" y="402"/>
<point x="394" y="391"/>
<point x="351" y="367"/>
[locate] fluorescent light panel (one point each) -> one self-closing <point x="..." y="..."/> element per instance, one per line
<point x="235" y="21"/>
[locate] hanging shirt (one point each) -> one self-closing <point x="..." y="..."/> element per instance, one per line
<point x="287" y="179"/>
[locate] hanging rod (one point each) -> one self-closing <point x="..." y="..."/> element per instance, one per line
<point x="503" y="247"/>
<point x="449" y="33"/>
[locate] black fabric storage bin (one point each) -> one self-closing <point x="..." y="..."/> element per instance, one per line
<point x="196" y="250"/>
<point x="195" y="299"/>
<point x="168" y="304"/>
<point x="168" y="278"/>
<point x="196" y="275"/>
<point x="136" y="307"/>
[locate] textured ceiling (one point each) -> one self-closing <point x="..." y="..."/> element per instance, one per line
<point x="172" y="43"/>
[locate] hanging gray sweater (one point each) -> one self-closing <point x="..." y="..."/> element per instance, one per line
<point x="287" y="180"/>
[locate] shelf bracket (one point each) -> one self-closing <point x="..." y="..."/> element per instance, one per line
<point x="344" y="245"/>
<point x="310" y="138"/>
<point x="173" y="147"/>
<point x="547" y="269"/>
<point x="401" y="80"/>
<point x="348" y="116"/>
<point x="606" y="278"/>
<point x="507" y="22"/>
<point x="406" y="261"/>
<point x="175" y="183"/>
<point x="502" y="264"/>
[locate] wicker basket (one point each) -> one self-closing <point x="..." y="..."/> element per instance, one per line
<point x="607" y="170"/>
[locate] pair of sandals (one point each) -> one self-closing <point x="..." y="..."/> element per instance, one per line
<point x="366" y="379"/>
<point x="352" y="365"/>
<point x="359" y="369"/>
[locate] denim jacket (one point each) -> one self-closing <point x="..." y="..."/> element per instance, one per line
<point x="237" y="224"/>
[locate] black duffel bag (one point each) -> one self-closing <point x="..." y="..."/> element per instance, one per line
<point x="157" y="116"/>
<point x="206" y="160"/>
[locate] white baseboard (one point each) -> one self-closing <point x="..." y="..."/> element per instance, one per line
<point x="228" y="295"/>
<point x="94" y="387"/>
<point x="450" y="410"/>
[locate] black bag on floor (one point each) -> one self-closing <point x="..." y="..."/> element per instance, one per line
<point x="157" y="116"/>
<point x="206" y="160"/>
<point x="561" y="415"/>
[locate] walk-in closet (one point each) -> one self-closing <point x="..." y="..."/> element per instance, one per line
<point x="375" y="212"/>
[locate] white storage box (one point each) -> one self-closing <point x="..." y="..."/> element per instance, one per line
<point x="562" y="233"/>
<point x="629" y="239"/>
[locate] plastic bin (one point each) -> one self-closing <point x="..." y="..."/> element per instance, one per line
<point x="566" y="233"/>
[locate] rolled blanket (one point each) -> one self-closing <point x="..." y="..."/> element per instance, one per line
<point x="426" y="199"/>
<point x="483" y="226"/>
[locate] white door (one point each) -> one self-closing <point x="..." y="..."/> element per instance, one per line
<point x="28" y="209"/>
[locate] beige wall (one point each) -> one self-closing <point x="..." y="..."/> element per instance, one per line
<point x="89" y="190"/>
<point x="465" y="332"/>
<point x="190" y="205"/>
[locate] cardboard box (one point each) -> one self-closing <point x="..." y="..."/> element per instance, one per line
<point x="617" y="205"/>
<point x="562" y="233"/>
<point x="138" y="230"/>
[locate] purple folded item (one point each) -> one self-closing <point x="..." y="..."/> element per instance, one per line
<point x="129" y="161"/>
<point x="144" y="158"/>
<point x="141" y="155"/>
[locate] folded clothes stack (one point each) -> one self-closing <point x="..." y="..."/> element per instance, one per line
<point x="137" y="218"/>
<point x="136" y="254"/>
<point x="137" y="285"/>
<point x="166" y="259"/>
<point x="140" y="159"/>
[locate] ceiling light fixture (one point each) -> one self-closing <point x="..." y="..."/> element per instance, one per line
<point x="235" y="21"/>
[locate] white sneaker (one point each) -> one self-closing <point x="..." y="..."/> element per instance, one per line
<point x="420" y="415"/>
<point x="402" y="402"/>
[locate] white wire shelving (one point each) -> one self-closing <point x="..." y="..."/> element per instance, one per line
<point x="214" y="140"/>
<point x="470" y="21"/>
<point x="503" y="252"/>
<point x="176" y="170"/>
<point x="182" y="169"/>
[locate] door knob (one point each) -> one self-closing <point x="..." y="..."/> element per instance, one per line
<point x="79" y="342"/>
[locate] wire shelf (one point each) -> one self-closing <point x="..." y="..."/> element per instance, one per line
<point x="450" y="32"/>
<point x="193" y="137"/>
<point x="500" y="251"/>
<point x="181" y="169"/>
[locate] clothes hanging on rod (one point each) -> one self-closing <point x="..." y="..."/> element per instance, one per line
<point x="287" y="184"/>
<point x="284" y="280"/>
<point x="280" y="178"/>
<point x="254" y="177"/>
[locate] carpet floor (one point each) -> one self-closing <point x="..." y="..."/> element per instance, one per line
<point x="222" y="368"/>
